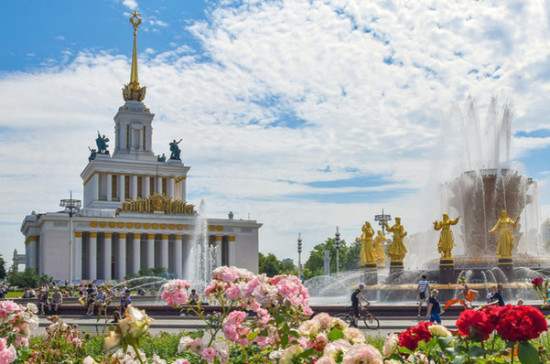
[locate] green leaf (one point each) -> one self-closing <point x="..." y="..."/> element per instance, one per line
<point x="459" y="360"/>
<point x="444" y="341"/>
<point x="476" y="351"/>
<point x="335" y="334"/>
<point x="251" y="336"/>
<point x="527" y="353"/>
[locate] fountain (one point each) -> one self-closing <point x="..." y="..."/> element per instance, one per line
<point x="478" y="187"/>
<point x="202" y="256"/>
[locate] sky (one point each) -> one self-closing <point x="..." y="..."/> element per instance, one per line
<point x="301" y="115"/>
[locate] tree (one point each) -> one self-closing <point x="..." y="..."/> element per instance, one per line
<point x="348" y="257"/>
<point x="271" y="266"/>
<point x="28" y="278"/>
<point x="2" y="267"/>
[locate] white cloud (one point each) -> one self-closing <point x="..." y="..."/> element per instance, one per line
<point x="130" y="4"/>
<point x="325" y="63"/>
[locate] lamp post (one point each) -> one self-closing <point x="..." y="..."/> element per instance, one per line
<point x="337" y="246"/>
<point x="300" y="256"/>
<point x="381" y="219"/>
<point x="71" y="206"/>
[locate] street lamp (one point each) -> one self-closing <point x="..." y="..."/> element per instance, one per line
<point x="71" y="206"/>
<point x="337" y="246"/>
<point x="381" y="219"/>
<point x="300" y="256"/>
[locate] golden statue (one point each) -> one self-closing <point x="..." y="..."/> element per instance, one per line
<point x="379" y="249"/>
<point x="396" y="249"/>
<point x="505" y="235"/>
<point x="446" y="239"/>
<point x="368" y="255"/>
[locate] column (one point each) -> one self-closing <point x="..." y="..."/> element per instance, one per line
<point x="158" y="186"/>
<point x="94" y="183"/>
<point x="109" y="186"/>
<point x="179" y="255"/>
<point x="107" y="244"/>
<point x="170" y="191"/>
<point x="77" y="255"/>
<point x="183" y="186"/>
<point x="150" y="250"/>
<point x="133" y="188"/>
<point x="121" y="192"/>
<point x="136" y="254"/>
<point x="121" y="256"/>
<point x="92" y="256"/>
<point x="147" y="190"/>
<point x="164" y="251"/>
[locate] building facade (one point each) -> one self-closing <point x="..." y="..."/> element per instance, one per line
<point x="134" y="212"/>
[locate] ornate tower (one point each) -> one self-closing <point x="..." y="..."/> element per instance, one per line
<point x="133" y="171"/>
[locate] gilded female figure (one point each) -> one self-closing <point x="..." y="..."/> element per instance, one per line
<point x="446" y="239"/>
<point x="396" y="250"/>
<point x="505" y="235"/>
<point x="368" y="255"/>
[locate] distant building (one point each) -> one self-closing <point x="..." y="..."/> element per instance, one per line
<point x="134" y="214"/>
<point x="288" y="260"/>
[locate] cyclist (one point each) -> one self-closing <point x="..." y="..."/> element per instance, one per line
<point x="356" y="298"/>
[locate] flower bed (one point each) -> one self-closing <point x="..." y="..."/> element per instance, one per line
<point x="282" y="331"/>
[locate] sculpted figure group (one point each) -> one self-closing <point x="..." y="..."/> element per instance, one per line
<point x="373" y="253"/>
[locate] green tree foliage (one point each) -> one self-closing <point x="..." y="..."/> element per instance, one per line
<point x="348" y="257"/>
<point x="28" y="278"/>
<point x="271" y="266"/>
<point x="2" y="267"/>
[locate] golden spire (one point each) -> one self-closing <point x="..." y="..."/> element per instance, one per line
<point x="133" y="91"/>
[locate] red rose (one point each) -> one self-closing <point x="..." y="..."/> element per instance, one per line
<point x="537" y="282"/>
<point x="413" y="335"/>
<point x="521" y="323"/>
<point x="408" y="340"/>
<point x="475" y="325"/>
<point x="493" y="313"/>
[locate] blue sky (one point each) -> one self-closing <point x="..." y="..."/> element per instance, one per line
<point x="301" y="115"/>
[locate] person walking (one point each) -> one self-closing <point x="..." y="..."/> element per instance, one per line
<point x="422" y="293"/>
<point x="434" y="308"/>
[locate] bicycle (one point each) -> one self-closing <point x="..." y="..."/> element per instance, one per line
<point x="371" y="322"/>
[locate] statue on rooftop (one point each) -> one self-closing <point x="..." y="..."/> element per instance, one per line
<point x="101" y="142"/>
<point x="396" y="249"/>
<point x="161" y="158"/>
<point x="505" y="235"/>
<point x="93" y="153"/>
<point x="446" y="239"/>
<point x="175" y="150"/>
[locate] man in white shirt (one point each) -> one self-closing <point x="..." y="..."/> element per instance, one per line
<point x="422" y="293"/>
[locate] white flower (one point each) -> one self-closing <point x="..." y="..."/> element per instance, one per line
<point x="390" y="345"/>
<point x="439" y="331"/>
<point x="223" y="351"/>
<point x="184" y="344"/>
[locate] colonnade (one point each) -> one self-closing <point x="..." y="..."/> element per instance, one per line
<point x="108" y="186"/>
<point x="113" y="255"/>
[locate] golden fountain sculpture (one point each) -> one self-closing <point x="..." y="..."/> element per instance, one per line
<point x="396" y="249"/>
<point x="505" y="235"/>
<point x="368" y="254"/>
<point x="379" y="248"/>
<point x="446" y="238"/>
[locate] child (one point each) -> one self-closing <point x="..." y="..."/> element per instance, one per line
<point x="434" y="309"/>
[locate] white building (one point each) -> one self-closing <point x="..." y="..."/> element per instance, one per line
<point x="134" y="214"/>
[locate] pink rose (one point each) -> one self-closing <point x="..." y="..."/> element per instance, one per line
<point x="209" y="354"/>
